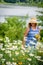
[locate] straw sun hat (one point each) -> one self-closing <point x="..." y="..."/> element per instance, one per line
<point x="33" y="20"/>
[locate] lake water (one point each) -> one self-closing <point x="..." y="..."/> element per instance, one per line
<point x="18" y="11"/>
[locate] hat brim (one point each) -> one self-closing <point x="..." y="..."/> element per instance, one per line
<point x="33" y="22"/>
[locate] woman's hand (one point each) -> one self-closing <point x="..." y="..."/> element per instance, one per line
<point x="37" y="36"/>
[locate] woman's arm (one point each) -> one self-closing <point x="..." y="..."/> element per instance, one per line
<point x="26" y="32"/>
<point x="25" y="35"/>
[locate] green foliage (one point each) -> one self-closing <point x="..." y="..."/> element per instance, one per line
<point x="1" y="0"/>
<point x="26" y="1"/>
<point x="14" y="28"/>
<point x="3" y="29"/>
<point x="41" y="24"/>
<point x="41" y="17"/>
<point x="10" y="1"/>
<point x="41" y="33"/>
<point x="38" y="3"/>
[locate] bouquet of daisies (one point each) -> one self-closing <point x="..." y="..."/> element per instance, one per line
<point x="37" y="36"/>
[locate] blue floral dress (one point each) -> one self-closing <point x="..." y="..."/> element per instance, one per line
<point x="31" y="40"/>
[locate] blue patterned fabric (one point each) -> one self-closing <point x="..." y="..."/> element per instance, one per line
<point x="31" y="40"/>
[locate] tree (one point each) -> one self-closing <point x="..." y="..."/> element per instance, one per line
<point x="1" y="0"/>
<point x="11" y="1"/>
<point x="27" y="1"/>
<point x="22" y="0"/>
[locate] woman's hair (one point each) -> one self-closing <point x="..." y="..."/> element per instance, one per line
<point x="29" y="25"/>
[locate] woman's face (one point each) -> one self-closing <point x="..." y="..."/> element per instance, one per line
<point x="33" y="24"/>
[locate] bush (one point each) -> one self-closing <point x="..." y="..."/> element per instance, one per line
<point x="41" y="24"/>
<point x="14" y="28"/>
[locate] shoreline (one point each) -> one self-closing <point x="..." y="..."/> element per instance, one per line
<point x="4" y="5"/>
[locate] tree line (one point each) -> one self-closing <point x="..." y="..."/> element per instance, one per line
<point x="25" y="1"/>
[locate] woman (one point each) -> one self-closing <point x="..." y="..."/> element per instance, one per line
<point x="30" y="38"/>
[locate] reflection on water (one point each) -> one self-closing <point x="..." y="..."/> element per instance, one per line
<point x="19" y="11"/>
